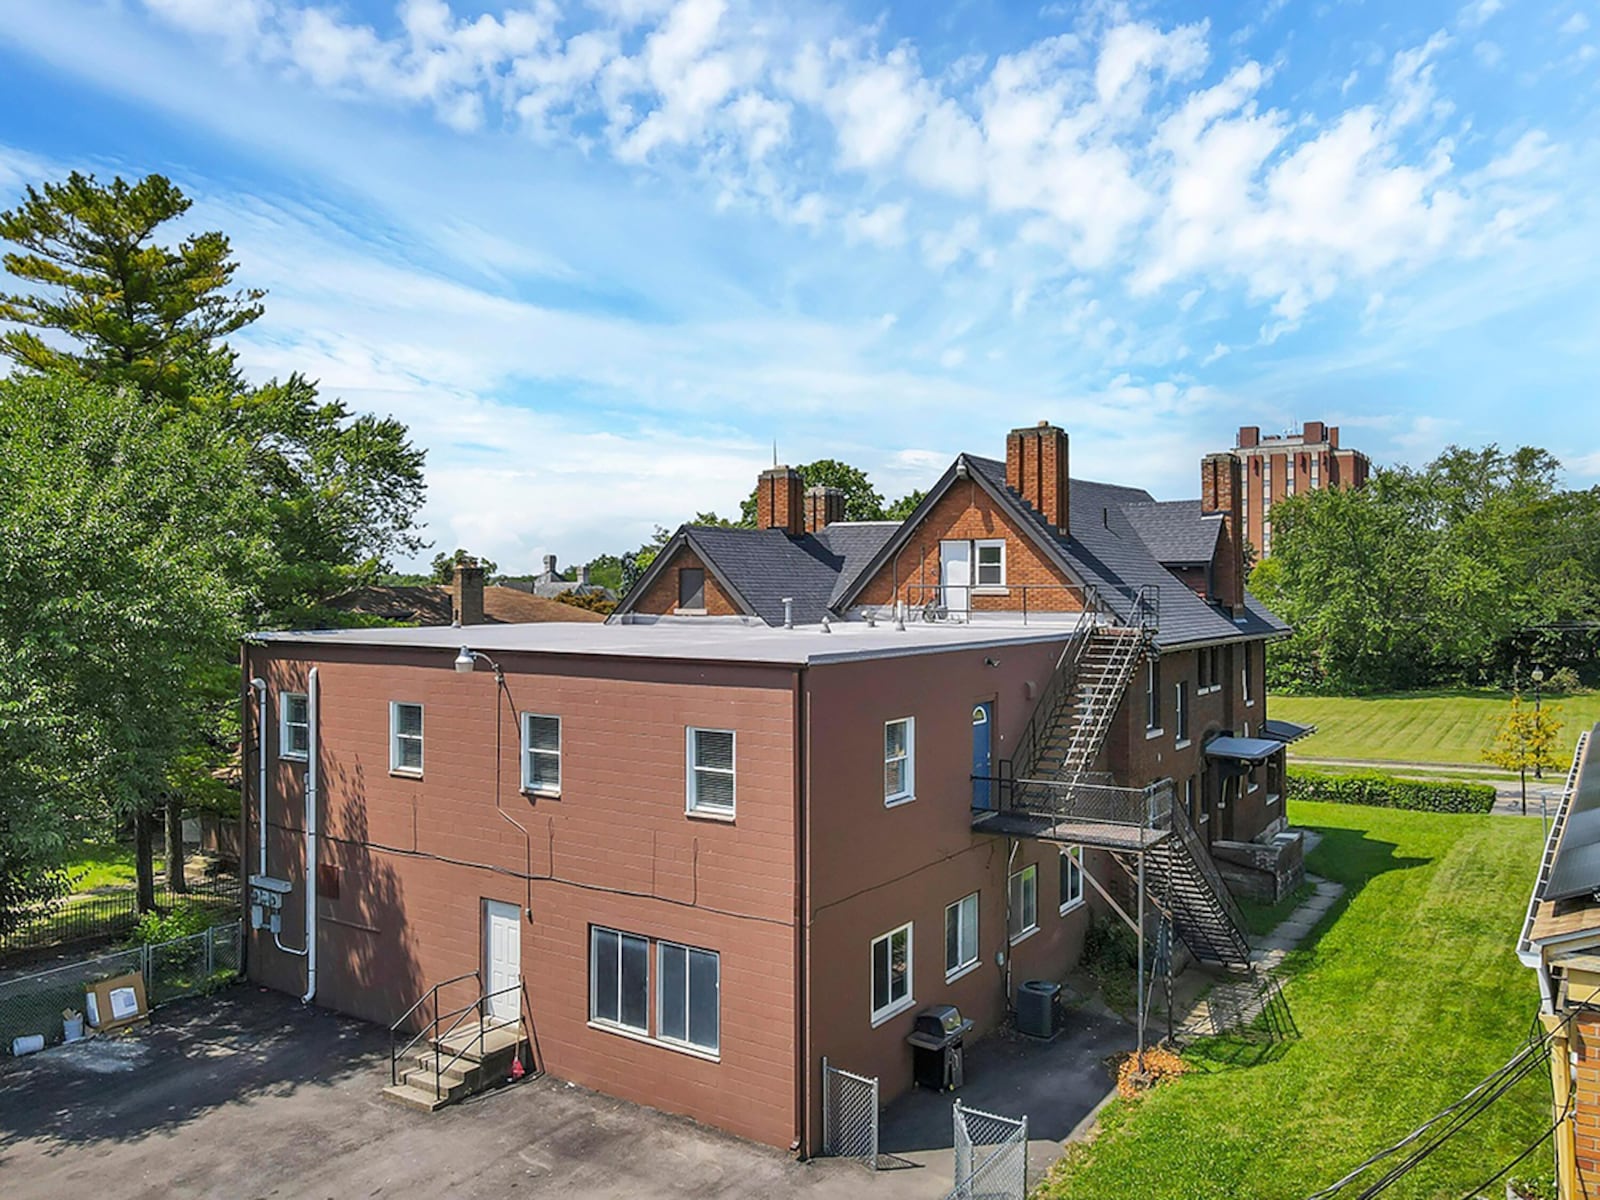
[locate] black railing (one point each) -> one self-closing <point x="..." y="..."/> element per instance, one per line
<point x="112" y="912"/>
<point x="1091" y="800"/>
<point x="1058" y="693"/>
<point x="481" y="1005"/>
<point x="935" y="602"/>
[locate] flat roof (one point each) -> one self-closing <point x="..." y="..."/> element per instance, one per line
<point x="695" y="638"/>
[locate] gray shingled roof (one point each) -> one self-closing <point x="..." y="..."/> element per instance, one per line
<point x="855" y="542"/>
<point x="766" y="565"/>
<point x="1175" y="531"/>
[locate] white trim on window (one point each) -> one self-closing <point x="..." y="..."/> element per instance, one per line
<point x="893" y="1004"/>
<point x="900" y="763"/>
<point x="294" y="736"/>
<point x="691" y="954"/>
<point x="1072" y="882"/>
<point x="966" y="933"/>
<point x="696" y="774"/>
<point x="1180" y="712"/>
<point x="1022" y="917"/>
<point x="398" y="741"/>
<point x="547" y="760"/>
<point x="978" y="565"/>
<point x="596" y="934"/>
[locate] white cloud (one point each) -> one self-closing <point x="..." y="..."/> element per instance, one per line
<point x="883" y="225"/>
<point x="1480" y="11"/>
<point x="1575" y="24"/>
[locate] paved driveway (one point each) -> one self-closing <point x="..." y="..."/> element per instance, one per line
<point x="249" y="1094"/>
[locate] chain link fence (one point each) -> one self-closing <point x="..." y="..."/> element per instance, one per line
<point x="33" y="1004"/>
<point x="991" y="1159"/>
<point x="849" y="1115"/>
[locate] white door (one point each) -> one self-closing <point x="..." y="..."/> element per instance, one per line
<point x="955" y="576"/>
<point x="502" y="942"/>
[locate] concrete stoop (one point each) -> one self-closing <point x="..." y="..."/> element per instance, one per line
<point x="460" y="1065"/>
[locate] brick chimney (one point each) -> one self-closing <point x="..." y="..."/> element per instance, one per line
<point x="466" y="593"/>
<point x="1249" y="436"/>
<point x="1036" y="469"/>
<point x="1313" y="432"/>
<point x="824" y="506"/>
<point x="1222" y="491"/>
<point x="779" y="502"/>
<point x="583" y="575"/>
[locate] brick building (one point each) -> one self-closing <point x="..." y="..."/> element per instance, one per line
<point x="1561" y="942"/>
<point x="1281" y="465"/>
<point x="809" y="778"/>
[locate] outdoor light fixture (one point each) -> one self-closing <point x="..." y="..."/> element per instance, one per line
<point x="991" y="662"/>
<point x="466" y="661"/>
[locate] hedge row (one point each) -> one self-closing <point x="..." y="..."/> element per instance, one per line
<point x="1385" y="791"/>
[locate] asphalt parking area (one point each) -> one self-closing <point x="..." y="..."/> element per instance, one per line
<point x="250" y="1094"/>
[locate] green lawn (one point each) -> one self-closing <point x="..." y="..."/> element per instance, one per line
<point x="1433" y="727"/>
<point x="1409" y="994"/>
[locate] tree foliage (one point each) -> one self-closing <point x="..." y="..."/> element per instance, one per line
<point x="137" y="312"/>
<point x="1448" y="574"/>
<point x="861" y="500"/>
<point x="444" y="565"/>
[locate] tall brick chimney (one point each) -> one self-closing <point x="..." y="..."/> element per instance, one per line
<point x="466" y="593"/>
<point x="1249" y="436"/>
<point x="1222" y="491"/>
<point x="1312" y="432"/>
<point x="1036" y="468"/>
<point x="779" y="502"/>
<point x="824" y="506"/>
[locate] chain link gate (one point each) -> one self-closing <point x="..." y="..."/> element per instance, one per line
<point x="849" y="1115"/>
<point x="991" y="1159"/>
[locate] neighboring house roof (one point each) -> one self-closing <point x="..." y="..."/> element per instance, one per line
<point x="1175" y="531"/>
<point x="429" y="604"/>
<point x="1106" y="548"/>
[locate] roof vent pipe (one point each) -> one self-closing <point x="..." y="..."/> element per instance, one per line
<point x="826" y="627"/>
<point x="788" y="612"/>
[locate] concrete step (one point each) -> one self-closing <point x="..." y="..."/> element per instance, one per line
<point x="421" y="1099"/>
<point x="498" y="1040"/>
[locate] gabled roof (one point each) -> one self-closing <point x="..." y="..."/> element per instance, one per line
<point x="1176" y="531"/>
<point x="759" y="568"/>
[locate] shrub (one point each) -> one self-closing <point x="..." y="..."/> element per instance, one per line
<point x="1385" y="791"/>
<point x="185" y="920"/>
<point x="1564" y="681"/>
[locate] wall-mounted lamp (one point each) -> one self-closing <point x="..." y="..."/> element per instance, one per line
<point x="991" y="662"/>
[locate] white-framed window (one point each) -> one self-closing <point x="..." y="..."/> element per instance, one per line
<point x="541" y="754"/>
<point x="711" y="771"/>
<point x="1180" y="710"/>
<point x="960" y="936"/>
<point x="891" y="973"/>
<point x="619" y="979"/>
<point x="1071" y="878"/>
<point x="688" y="996"/>
<point x="1024" y="916"/>
<point x="405" y="738"/>
<point x="1210" y="673"/>
<point x="294" y="726"/>
<point x="1152" y="695"/>
<point x="899" y="760"/>
<point x="990" y="560"/>
<point x="1244" y="649"/>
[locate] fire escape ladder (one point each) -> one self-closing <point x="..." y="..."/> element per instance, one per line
<point x="1179" y="872"/>
<point x="1083" y="716"/>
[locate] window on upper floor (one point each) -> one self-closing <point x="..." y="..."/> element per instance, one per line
<point x="405" y="738"/>
<point x="899" y="760"/>
<point x="541" y="754"/>
<point x="294" y="726"/>
<point x="692" y="588"/>
<point x="1180" y="710"/>
<point x="1152" y="694"/>
<point x="711" y="771"/>
<point x="1244" y="654"/>
<point x="990" y="557"/>
<point x="1024" y="895"/>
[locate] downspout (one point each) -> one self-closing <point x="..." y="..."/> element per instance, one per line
<point x="309" y="950"/>
<point x="313" y="788"/>
<point x="803" y="1088"/>
<point x="260" y="686"/>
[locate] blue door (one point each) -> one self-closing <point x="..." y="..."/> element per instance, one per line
<point x="982" y="725"/>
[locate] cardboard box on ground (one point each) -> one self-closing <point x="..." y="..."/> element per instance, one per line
<point x="116" y="1002"/>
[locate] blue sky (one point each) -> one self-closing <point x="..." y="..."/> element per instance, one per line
<point x="601" y="255"/>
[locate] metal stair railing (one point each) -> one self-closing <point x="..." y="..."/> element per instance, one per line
<point x="1096" y="702"/>
<point x="1059" y="693"/>
<point x="481" y="1007"/>
<point x="430" y="1026"/>
<point x="1204" y="872"/>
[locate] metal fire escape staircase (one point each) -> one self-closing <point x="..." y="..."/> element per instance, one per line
<point x="1052" y="793"/>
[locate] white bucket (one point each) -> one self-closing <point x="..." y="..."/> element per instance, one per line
<point x="29" y="1044"/>
<point x="72" y="1029"/>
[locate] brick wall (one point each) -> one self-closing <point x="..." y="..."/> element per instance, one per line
<point x="662" y="598"/>
<point x="967" y="512"/>
<point x="1585" y="1041"/>
<point x="415" y="858"/>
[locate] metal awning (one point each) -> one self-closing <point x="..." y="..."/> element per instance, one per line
<point x="1285" y="731"/>
<point x="1243" y="749"/>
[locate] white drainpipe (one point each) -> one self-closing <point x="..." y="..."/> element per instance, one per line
<point x="309" y="952"/>
<point x="313" y="787"/>
<point x="260" y="686"/>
